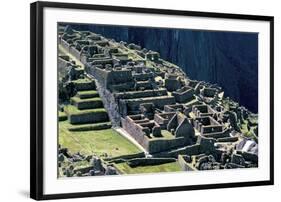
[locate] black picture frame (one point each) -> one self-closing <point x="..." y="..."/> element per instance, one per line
<point x="37" y="99"/>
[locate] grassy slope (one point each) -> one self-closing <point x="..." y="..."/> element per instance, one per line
<point x="95" y="142"/>
<point x="62" y="114"/>
<point x="73" y="110"/>
<point x="87" y="92"/>
<point x="78" y="100"/>
<point x="85" y="80"/>
<point x="167" y="167"/>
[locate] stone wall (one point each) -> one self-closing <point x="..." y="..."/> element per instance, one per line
<point x="227" y="139"/>
<point x="79" y="86"/>
<point x="91" y="117"/>
<point x="87" y="104"/>
<point x="63" y="67"/>
<point x="159" y="145"/>
<point x="206" y="145"/>
<point x="109" y="104"/>
<point x="100" y="74"/>
<point x="211" y="129"/>
<point x="185" y="166"/>
<point x="143" y="85"/>
<point x="207" y="124"/>
<point x="163" y="119"/>
<point x="225" y="133"/>
<point x="140" y="94"/>
<point x="135" y="131"/>
<point x="143" y="76"/>
<point x="91" y="127"/>
<point x="123" y="87"/>
<point x="159" y="102"/>
<point x="187" y="150"/>
<point x="83" y="59"/>
<point x="250" y="157"/>
<point x="102" y="61"/>
<point x="152" y="145"/>
<point x="184" y="95"/>
<point x="192" y="149"/>
<point x="202" y="110"/>
<point x="182" y="128"/>
<point x="110" y="77"/>
<point x="62" y="63"/>
<point x="74" y="52"/>
<point x="149" y="161"/>
<point x="210" y="92"/>
<point x="126" y="157"/>
<point x="119" y="76"/>
<point x="172" y="84"/>
<point x="65" y="44"/>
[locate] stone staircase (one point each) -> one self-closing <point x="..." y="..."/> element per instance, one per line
<point x="86" y="110"/>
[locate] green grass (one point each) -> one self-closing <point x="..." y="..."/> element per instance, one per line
<point x="70" y="109"/>
<point x="85" y="80"/>
<point x="244" y="128"/>
<point x="95" y="142"/>
<point x="62" y="116"/>
<point x="88" y="127"/>
<point x="166" y="134"/>
<point x="248" y="133"/>
<point x="88" y="93"/>
<point x="253" y="120"/>
<point x="78" y="99"/>
<point x="166" y="167"/>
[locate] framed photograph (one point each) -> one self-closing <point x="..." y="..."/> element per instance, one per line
<point x="131" y="100"/>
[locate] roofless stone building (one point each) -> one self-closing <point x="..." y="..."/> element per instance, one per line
<point x="164" y="111"/>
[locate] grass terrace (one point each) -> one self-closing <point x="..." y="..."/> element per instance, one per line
<point x="244" y="128"/>
<point x="70" y="109"/>
<point x="88" y="127"/>
<point x="87" y="103"/>
<point x="62" y="116"/>
<point x="95" y="142"/>
<point x="87" y="94"/>
<point x="77" y="116"/>
<point x="85" y="80"/>
<point x="166" y="167"/>
<point x="78" y="99"/>
<point x="84" y="84"/>
<point x="167" y="134"/>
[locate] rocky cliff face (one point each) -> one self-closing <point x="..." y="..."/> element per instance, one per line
<point x="229" y="59"/>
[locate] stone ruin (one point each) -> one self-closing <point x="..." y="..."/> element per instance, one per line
<point x="96" y="166"/>
<point x="166" y="112"/>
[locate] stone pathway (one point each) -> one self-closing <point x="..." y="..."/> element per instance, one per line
<point x="65" y="52"/>
<point x="122" y="132"/>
